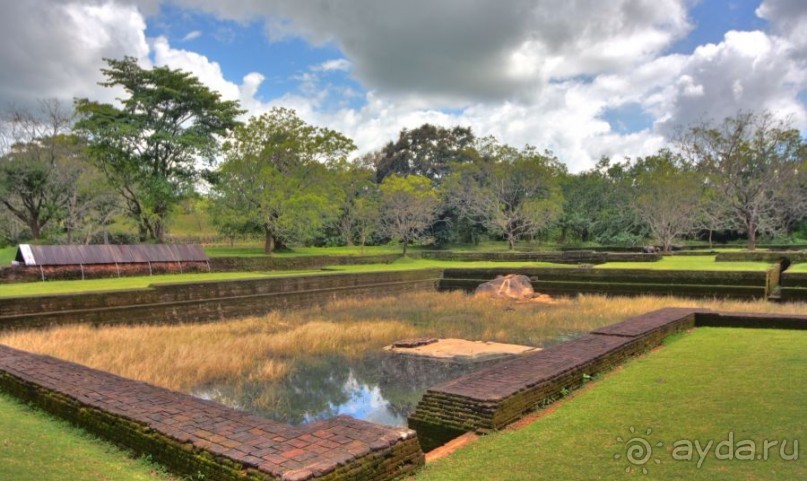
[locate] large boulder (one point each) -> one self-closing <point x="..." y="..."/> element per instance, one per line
<point x="511" y="286"/>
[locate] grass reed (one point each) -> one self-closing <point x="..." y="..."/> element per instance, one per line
<point x="265" y="347"/>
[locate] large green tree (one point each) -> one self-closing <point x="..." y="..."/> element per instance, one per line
<point x="427" y="151"/>
<point x="516" y="193"/>
<point x="149" y="146"/>
<point x="40" y="164"/>
<point x="667" y="196"/>
<point x="277" y="177"/>
<point x="756" y="165"/>
<point x="408" y="207"/>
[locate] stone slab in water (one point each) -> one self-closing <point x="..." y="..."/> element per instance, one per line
<point x="462" y="350"/>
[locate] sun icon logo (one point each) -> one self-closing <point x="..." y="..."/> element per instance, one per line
<point x="638" y="451"/>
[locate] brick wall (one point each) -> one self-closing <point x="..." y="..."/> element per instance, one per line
<point x="206" y="301"/>
<point x="625" y="281"/>
<point x="493" y="397"/>
<point x="193" y="436"/>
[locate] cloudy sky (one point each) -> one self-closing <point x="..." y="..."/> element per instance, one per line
<point x="584" y="78"/>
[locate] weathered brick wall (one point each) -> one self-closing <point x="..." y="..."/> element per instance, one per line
<point x="762" y="256"/>
<point x="559" y="257"/>
<point x="794" y="286"/>
<point x="496" y="396"/>
<point x="273" y="263"/>
<point x="206" y="301"/>
<point x="192" y="436"/>
<point x="624" y="281"/>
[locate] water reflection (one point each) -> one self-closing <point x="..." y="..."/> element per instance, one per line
<point x="381" y="387"/>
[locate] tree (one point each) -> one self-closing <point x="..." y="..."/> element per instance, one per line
<point x="522" y="194"/>
<point x="408" y="207"/>
<point x="367" y="214"/>
<point x="148" y="148"/>
<point x="584" y="196"/>
<point x="40" y="164"/>
<point x="355" y="182"/>
<point x="753" y="161"/>
<point x="461" y="193"/>
<point x="427" y="151"/>
<point x="276" y="177"/>
<point x="667" y="196"/>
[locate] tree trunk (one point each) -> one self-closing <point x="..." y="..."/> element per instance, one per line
<point x="710" y="239"/>
<point x="405" y="245"/>
<point x="36" y="229"/>
<point x="142" y="231"/>
<point x="268" y="241"/>
<point x="752" y="237"/>
<point x="511" y="242"/>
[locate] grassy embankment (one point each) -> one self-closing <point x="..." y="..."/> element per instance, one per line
<point x="37" y="447"/>
<point x="66" y="287"/>
<point x="140" y="282"/>
<point x="797" y="268"/>
<point x="689" y="263"/>
<point x="704" y="386"/>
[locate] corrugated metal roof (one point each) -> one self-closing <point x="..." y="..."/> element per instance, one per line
<point x="34" y="255"/>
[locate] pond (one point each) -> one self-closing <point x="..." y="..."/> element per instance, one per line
<point x="379" y="387"/>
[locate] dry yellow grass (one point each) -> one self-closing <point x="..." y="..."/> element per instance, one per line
<point x="183" y="356"/>
<point x="265" y="348"/>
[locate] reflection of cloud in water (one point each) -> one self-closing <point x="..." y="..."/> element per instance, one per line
<point x="380" y="387"/>
<point x="364" y="402"/>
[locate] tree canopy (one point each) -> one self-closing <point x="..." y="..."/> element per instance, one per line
<point x="277" y="177"/>
<point x="150" y="146"/>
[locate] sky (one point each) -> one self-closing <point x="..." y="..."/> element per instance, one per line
<point x="582" y="78"/>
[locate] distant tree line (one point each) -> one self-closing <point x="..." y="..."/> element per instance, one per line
<point x="68" y="174"/>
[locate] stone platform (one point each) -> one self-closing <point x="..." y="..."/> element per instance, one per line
<point x="462" y="350"/>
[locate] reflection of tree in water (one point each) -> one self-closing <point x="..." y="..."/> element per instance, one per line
<point x="321" y="387"/>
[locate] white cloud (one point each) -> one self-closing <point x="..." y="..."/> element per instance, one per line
<point x="55" y="49"/>
<point x="527" y="71"/>
<point x="749" y="71"/>
<point x="192" y="35"/>
<point x="459" y="54"/>
<point x="335" y="65"/>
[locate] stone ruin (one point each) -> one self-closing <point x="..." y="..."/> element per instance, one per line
<point x="512" y="286"/>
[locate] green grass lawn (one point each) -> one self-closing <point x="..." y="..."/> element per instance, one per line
<point x="7" y="255"/>
<point x="37" y="447"/>
<point x="403" y="264"/>
<point x="139" y="282"/>
<point x="703" y="386"/>
<point x="797" y="268"/>
<point x="409" y="263"/>
<point x="689" y="263"/>
<point x="256" y="250"/>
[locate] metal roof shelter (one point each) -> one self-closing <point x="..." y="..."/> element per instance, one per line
<point x="83" y="255"/>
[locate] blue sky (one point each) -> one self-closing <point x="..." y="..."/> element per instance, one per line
<point x="584" y="79"/>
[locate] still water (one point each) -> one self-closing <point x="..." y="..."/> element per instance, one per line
<point x="382" y="388"/>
